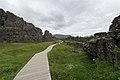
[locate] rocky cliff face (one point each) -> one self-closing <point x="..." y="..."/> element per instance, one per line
<point x="104" y="43"/>
<point x="15" y="29"/>
<point x="47" y="36"/>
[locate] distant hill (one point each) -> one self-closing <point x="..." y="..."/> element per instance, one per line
<point x="61" y="36"/>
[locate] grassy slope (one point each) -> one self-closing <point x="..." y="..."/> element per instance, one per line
<point x="65" y="64"/>
<point x="78" y="39"/>
<point x="14" y="56"/>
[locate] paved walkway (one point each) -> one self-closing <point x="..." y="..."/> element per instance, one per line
<point x="37" y="68"/>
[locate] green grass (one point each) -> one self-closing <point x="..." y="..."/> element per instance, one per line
<point x="71" y="63"/>
<point x="78" y="39"/>
<point x="14" y="56"/>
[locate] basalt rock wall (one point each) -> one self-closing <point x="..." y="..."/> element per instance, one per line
<point x="102" y="48"/>
<point x="47" y="36"/>
<point x="15" y="29"/>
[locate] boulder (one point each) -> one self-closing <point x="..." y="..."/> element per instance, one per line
<point x="115" y="26"/>
<point x="47" y="36"/>
<point x="100" y="34"/>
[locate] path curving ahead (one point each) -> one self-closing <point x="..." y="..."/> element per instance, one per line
<point x="37" y="68"/>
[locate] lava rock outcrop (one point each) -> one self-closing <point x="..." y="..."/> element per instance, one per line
<point x="104" y="43"/>
<point x="47" y="36"/>
<point x="15" y="29"/>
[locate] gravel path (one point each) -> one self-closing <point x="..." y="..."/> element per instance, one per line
<point x="37" y="68"/>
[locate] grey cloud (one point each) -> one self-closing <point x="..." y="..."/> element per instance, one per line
<point x="2" y="3"/>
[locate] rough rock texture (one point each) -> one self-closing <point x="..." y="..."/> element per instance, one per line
<point x="115" y="26"/>
<point x="47" y="36"/>
<point x="15" y="29"/>
<point x="104" y="44"/>
<point x="100" y="34"/>
<point x="101" y="49"/>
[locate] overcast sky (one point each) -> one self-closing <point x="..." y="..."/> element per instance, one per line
<point x="74" y="17"/>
